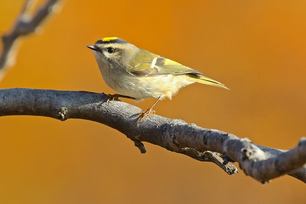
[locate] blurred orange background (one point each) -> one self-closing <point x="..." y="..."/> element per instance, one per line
<point x="257" y="48"/>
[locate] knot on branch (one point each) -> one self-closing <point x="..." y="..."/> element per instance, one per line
<point x="251" y="152"/>
<point x="63" y="112"/>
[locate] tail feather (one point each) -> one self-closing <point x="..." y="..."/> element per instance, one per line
<point x="206" y="80"/>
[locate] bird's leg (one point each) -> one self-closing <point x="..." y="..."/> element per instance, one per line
<point x="149" y="111"/>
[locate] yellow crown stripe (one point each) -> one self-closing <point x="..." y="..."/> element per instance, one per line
<point x="107" y="39"/>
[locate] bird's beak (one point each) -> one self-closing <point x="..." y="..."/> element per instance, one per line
<point x="93" y="47"/>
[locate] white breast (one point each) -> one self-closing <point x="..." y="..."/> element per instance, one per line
<point x="164" y="86"/>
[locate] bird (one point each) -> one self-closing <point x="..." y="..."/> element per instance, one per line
<point x="137" y="73"/>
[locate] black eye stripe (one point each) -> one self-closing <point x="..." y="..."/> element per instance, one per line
<point x="110" y="50"/>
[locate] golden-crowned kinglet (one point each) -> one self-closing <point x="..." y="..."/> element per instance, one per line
<point x="138" y="73"/>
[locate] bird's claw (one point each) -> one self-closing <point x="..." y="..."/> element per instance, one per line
<point x="112" y="97"/>
<point x="145" y="114"/>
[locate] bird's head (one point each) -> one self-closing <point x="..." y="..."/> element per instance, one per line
<point x="113" y="50"/>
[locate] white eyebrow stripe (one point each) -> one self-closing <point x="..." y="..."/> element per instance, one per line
<point x="153" y="63"/>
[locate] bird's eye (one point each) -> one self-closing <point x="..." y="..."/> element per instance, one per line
<point x="110" y="50"/>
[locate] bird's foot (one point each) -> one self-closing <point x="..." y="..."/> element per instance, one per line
<point x="145" y="114"/>
<point x="112" y="97"/>
<point x="109" y="98"/>
<point x="115" y="97"/>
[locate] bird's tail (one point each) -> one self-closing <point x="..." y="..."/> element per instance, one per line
<point x="206" y="80"/>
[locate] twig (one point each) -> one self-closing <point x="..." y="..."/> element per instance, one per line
<point x="221" y="160"/>
<point x="24" y="25"/>
<point x="258" y="162"/>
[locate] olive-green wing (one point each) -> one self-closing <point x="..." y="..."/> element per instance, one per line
<point x="145" y="63"/>
<point x="149" y="64"/>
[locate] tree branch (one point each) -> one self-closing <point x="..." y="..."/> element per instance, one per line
<point x="24" y="25"/>
<point x="259" y="162"/>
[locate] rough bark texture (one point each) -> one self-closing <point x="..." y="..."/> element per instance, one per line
<point x="259" y="162"/>
<point x="24" y="25"/>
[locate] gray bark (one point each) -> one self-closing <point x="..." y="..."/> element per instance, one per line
<point x="222" y="148"/>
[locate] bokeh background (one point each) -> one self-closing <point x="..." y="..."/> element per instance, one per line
<point x="257" y="48"/>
